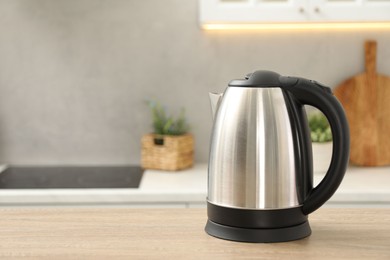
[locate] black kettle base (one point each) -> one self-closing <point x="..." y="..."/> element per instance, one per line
<point x="258" y="235"/>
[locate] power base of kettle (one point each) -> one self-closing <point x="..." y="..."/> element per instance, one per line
<point x="245" y="225"/>
<point x="260" y="173"/>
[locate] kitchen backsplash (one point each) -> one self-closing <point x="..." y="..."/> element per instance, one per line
<point x="74" y="75"/>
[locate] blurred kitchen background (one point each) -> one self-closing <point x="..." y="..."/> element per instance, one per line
<point x="75" y="74"/>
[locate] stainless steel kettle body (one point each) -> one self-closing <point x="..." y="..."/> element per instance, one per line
<point x="252" y="157"/>
<point x="260" y="165"/>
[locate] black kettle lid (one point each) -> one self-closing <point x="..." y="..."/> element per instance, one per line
<point x="263" y="79"/>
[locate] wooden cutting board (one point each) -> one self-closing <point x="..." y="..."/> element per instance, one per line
<point x="366" y="100"/>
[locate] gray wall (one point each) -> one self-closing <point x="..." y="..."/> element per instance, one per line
<point x="74" y="74"/>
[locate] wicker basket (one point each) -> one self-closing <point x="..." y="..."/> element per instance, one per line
<point x="167" y="152"/>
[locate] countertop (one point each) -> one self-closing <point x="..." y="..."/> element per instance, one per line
<point x="361" y="185"/>
<point x="179" y="234"/>
<point x="187" y="186"/>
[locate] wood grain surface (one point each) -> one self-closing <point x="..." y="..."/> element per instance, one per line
<point x="366" y="100"/>
<point x="110" y="233"/>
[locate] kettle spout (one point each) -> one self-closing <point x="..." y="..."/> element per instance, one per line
<point x="215" y="100"/>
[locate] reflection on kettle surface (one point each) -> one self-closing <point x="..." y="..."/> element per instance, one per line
<point x="253" y="133"/>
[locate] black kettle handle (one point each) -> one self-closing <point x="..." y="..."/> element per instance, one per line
<point x="309" y="92"/>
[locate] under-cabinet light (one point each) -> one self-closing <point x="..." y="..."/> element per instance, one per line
<point x="294" y="26"/>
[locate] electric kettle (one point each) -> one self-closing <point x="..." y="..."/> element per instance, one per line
<point x="260" y="173"/>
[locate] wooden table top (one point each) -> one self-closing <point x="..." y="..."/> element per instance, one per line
<point x="56" y="233"/>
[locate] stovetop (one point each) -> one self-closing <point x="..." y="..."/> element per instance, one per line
<point x="67" y="177"/>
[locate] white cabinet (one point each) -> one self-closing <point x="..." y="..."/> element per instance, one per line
<point x="350" y="10"/>
<point x="298" y="11"/>
<point x="250" y="11"/>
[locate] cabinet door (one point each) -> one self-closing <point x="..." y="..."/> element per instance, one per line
<point x="252" y="11"/>
<point x="349" y="10"/>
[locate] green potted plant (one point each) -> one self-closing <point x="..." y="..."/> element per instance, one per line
<point x="321" y="137"/>
<point x="170" y="146"/>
